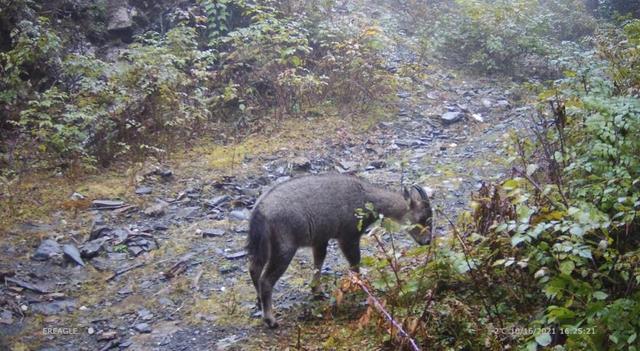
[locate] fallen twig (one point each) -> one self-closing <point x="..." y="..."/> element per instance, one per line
<point x="177" y="309"/>
<point x="564" y="203"/>
<point x="21" y="283"/>
<point x="378" y="306"/>
<point x="125" y="270"/>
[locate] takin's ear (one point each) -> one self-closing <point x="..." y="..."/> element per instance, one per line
<point x="406" y="193"/>
<point x="410" y="196"/>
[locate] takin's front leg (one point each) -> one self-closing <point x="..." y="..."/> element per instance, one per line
<point x="351" y="251"/>
<point x="255" y="270"/>
<point x="319" y="254"/>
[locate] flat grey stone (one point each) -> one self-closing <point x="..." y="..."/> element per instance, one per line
<point x="186" y="212"/>
<point x="240" y="215"/>
<point x="72" y="252"/>
<point x="92" y="248"/>
<point x="143" y="190"/>
<point x="98" y="231"/>
<point x="142" y="328"/>
<point x="107" y="204"/>
<point x="235" y="255"/>
<point x="53" y="308"/>
<point x="217" y="201"/>
<point x="47" y="249"/>
<point x="452" y="117"/>
<point x="212" y="232"/>
<point x="135" y="250"/>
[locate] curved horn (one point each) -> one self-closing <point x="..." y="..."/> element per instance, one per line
<point x="422" y="193"/>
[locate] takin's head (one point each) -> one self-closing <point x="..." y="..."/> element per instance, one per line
<point x="420" y="214"/>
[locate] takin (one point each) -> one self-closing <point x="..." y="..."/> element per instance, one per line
<point x="308" y="212"/>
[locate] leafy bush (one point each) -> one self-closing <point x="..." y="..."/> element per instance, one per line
<point x="551" y="256"/>
<point x="223" y="61"/>
<point x="104" y="112"/>
<point x="503" y="36"/>
<point x="614" y="7"/>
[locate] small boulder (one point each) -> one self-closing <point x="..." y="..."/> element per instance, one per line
<point x="47" y="249"/>
<point x="212" y="232"/>
<point x="300" y="164"/>
<point x="92" y="248"/>
<point x="135" y="250"/>
<point x="121" y="18"/>
<point x="157" y="209"/>
<point x="145" y="314"/>
<point x="451" y="117"/>
<point x="143" y="190"/>
<point x="142" y="328"/>
<point x="99" y="231"/>
<point x="240" y="215"/>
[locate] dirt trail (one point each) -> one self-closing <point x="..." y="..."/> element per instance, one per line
<point x="188" y="286"/>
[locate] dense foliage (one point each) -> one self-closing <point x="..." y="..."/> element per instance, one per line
<point x="513" y="37"/>
<point x="551" y="256"/>
<point x="216" y="61"/>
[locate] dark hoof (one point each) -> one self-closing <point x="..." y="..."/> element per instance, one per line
<point x="271" y="323"/>
<point x="319" y="296"/>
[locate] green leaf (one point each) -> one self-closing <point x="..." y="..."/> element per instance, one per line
<point x="614" y="338"/>
<point x="517" y="239"/>
<point x="557" y="313"/>
<point x="296" y="61"/>
<point x="499" y="262"/>
<point x="600" y="295"/>
<point x="585" y="252"/>
<point x="567" y="267"/>
<point x="543" y="339"/>
<point x="524" y="213"/>
<point x="510" y="184"/>
<point x="576" y="230"/>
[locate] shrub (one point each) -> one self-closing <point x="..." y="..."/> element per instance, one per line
<point x="223" y="61"/>
<point x="549" y="257"/>
<point x="503" y="36"/>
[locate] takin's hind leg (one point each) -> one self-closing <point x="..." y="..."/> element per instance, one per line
<point x="255" y="270"/>
<point x="278" y="262"/>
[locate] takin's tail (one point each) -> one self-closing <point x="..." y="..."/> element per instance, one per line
<point x="256" y="241"/>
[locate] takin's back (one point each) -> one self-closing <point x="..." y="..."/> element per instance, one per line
<point x="314" y="207"/>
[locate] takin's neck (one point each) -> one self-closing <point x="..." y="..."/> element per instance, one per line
<point x="388" y="203"/>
